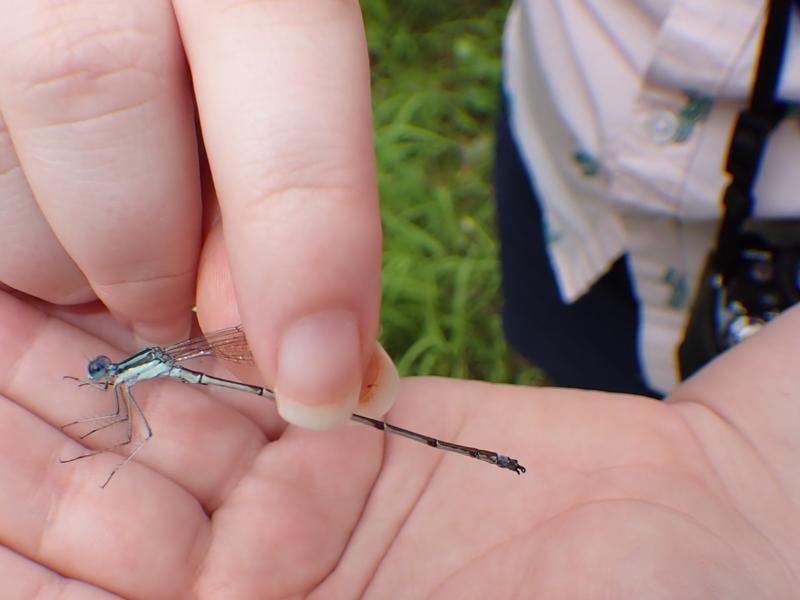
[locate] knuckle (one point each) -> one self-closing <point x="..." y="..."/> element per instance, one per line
<point x="89" y="65"/>
<point x="301" y="166"/>
<point x="136" y="294"/>
<point x="128" y="282"/>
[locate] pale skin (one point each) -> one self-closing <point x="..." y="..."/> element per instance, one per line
<point x="104" y="167"/>
<point x="624" y="497"/>
<point x="102" y="187"/>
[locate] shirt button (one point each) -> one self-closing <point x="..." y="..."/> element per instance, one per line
<point x="662" y="126"/>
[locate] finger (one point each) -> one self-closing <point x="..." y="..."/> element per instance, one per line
<point x="32" y="260"/>
<point x="23" y="578"/>
<point x="216" y="298"/>
<point x="72" y="526"/>
<point x="217" y="309"/>
<point x="301" y="505"/>
<point x="92" y="318"/>
<point x="313" y="484"/>
<point x="197" y="441"/>
<point x="97" y="101"/>
<point x="286" y="123"/>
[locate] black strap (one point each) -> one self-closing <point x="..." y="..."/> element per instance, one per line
<point x="750" y="134"/>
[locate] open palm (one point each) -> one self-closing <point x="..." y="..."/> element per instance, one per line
<point x="624" y="497"/>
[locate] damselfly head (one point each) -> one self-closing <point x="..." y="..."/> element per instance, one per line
<point x="100" y="367"/>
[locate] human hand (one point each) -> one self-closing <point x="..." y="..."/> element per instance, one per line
<point x="105" y="184"/>
<point x="625" y="497"/>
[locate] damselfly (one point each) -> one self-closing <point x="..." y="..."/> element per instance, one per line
<point x="229" y="344"/>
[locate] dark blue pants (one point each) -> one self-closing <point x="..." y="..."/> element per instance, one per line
<point x="590" y="343"/>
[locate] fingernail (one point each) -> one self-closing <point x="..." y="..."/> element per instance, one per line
<point x="318" y="378"/>
<point x="381" y="385"/>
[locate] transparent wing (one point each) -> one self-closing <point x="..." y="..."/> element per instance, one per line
<point x="227" y="344"/>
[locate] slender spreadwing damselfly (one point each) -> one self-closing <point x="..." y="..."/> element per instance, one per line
<point x="228" y="344"/>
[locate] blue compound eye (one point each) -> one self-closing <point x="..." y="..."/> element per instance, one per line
<point x="99" y="367"/>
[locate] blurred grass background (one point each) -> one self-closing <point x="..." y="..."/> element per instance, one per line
<point x="435" y="84"/>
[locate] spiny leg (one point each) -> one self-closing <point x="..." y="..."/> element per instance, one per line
<point x="125" y="416"/>
<point x="130" y="401"/>
<point x="111" y="415"/>
<point x="121" y="419"/>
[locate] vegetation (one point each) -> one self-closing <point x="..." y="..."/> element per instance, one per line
<point x="436" y="81"/>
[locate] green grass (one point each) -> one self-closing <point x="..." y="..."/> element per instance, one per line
<point x="435" y="81"/>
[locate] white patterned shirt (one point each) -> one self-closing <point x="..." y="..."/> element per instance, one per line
<point x="622" y="111"/>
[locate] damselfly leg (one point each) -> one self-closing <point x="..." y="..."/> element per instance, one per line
<point x="124" y="405"/>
